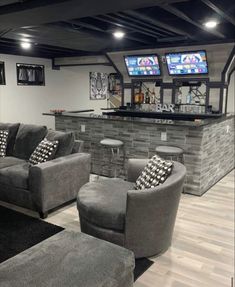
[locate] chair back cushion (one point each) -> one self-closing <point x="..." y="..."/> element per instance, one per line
<point x="27" y="139"/>
<point x="65" y="139"/>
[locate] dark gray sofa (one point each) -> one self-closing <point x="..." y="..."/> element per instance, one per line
<point x="47" y="185"/>
<point x="140" y="220"/>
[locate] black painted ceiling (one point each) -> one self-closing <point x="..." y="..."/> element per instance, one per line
<point x="83" y="27"/>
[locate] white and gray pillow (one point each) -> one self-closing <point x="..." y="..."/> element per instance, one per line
<point x="3" y="142"/>
<point x="155" y="173"/>
<point x="45" y="151"/>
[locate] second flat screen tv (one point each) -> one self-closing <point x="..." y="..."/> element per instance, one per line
<point x="187" y="63"/>
<point x="143" y="65"/>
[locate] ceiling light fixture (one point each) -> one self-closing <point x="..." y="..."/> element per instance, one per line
<point x="211" y="24"/>
<point x="119" y="34"/>
<point x="25" y="45"/>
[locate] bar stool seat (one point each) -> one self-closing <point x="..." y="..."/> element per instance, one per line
<point x="169" y="150"/>
<point x="111" y="142"/>
<point x="113" y="145"/>
<point x="172" y="152"/>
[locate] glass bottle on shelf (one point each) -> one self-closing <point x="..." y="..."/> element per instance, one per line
<point x="189" y="98"/>
<point x="147" y="97"/>
<point x="179" y="96"/>
<point x="153" y="97"/>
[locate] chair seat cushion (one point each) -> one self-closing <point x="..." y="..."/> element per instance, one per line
<point x="9" y="161"/>
<point x="16" y="175"/>
<point x="104" y="202"/>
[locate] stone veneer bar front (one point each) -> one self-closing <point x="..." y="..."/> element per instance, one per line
<point x="208" y="145"/>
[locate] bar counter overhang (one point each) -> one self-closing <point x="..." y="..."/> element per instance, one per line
<point x="208" y="144"/>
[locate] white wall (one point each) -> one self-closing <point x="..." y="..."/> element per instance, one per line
<point x="67" y="89"/>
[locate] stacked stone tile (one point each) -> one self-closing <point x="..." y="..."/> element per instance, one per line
<point x="208" y="149"/>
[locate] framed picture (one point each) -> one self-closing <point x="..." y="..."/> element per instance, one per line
<point x="2" y="74"/>
<point x="98" y="86"/>
<point x="30" y="75"/>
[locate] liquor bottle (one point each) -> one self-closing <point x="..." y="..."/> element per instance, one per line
<point x="189" y="98"/>
<point x="179" y="96"/>
<point x="147" y="97"/>
<point x="153" y="100"/>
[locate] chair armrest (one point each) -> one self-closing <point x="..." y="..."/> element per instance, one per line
<point x="57" y="181"/>
<point x="134" y="168"/>
<point x="151" y="214"/>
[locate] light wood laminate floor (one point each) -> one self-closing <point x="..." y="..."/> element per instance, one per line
<point x="202" y="251"/>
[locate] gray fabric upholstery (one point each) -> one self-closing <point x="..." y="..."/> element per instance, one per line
<point x="57" y="181"/>
<point x="72" y="260"/>
<point x="134" y="168"/>
<point x="114" y="236"/>
<point x="66" y="142"/>
<point x="149" y="216"/>
<point x="104" y="204"/>
<point x="16" y="175"/>
<point x="12" y="128"/>
<point x="9" y="161"/>
<point x="27" y="139"/>
<point x="46" y="185"/>
<point x="17" y="196"/>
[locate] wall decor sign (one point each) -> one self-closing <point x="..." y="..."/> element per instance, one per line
<point x="2" y="74"/>
<point x="165" y="108"/>
<point x="30" y="75"/>
<point x="98" y="86"/>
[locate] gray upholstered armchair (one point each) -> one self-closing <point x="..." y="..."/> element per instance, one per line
<point x="140" y="220"/>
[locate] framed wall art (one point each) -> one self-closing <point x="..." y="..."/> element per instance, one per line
<point x="98" y="86"/>
<point x="30" y="75"/>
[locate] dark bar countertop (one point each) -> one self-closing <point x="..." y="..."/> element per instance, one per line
<point x="160" y="121"/>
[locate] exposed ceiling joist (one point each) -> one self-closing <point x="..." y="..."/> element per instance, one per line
<point x="130" y="26"/>
<point x="139" y="28"/>
<point x="96" y="28"/>
<point x="34" y="12"/>
<point x="219" y="11"/>
<point x="142" y="24"/>
<point x="184" y="17"/>
<point x="157" y="23"/>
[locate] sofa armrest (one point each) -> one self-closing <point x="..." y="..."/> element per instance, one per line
<point x="58" y="181"/>
<point x="134" y="168"/>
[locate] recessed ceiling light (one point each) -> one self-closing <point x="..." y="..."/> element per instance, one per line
<point x="25" y="45"/>
<point x="211" y="24"/>
<point x="25" y="40"/>
<point x="119" y="34"/>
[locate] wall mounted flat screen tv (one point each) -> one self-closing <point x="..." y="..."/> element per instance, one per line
<point x="187" y="63"/>
<point x="142" y="65"/>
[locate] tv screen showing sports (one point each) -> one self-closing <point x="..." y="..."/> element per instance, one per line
<point x="144" y="65"/>
<point x="187" y="63"/>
